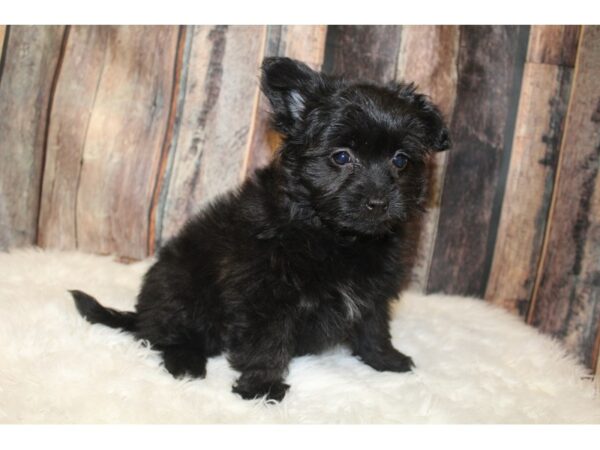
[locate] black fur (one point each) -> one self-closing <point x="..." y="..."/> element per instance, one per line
<point x="307" y="253"/>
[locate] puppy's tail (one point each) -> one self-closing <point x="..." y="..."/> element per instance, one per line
<point x="94" y="312"/>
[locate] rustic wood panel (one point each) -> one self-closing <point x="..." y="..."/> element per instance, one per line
<point x="428" y="56"/>
<point x="566" y="301"/>
<point x="596" y="359"/>
<point x="74" y="99"/>
<point x="553" y="44"/>
<point x="597" y="376"/>
<point x="362" y="51"/>
<point x="490" y="63"/>
<point x="2" y="34"/>
<point x="114" y="132"/>
<point x="305" y="43"/>
<point x="176" y="110"/>
<point x="31" y="55"/>
<point x="538" y="132"/>
<point x="212" y="138"/>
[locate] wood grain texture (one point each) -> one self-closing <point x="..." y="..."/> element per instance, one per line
<point x="72" y="108"/>
<point x="212" y="138"/>
<point x="109" y="139"/>
<point x="31" y="55"/>
<point x="176" y="110"/>
<point x="596" y="359"/>
<point x="305" y="43"/>
<point x="540" y="121"/>
<point x="363" y="51"/>
<point x="428" y="56"/>
<point x="566" y="301"/>
<point x="489" y="67"/>
<point x="2" y="34"/>
<point x="553" y="44"/>
<point x="597" y="376"/>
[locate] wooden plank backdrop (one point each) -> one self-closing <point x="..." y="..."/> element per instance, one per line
<point x="429" y="56"/>
<point x="306" y="43"/>
<point x="490" y="62"/>
<point x="535" y="148"/>
<point x="29" y="60"/>
<point x="108" y="121"/>
<point x="113" y="136"/>
<point x="566" y="302"/>
<point x="218" y="99"/>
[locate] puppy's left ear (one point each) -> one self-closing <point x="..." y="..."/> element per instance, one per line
<point x="441" y="139"/>
<point x="438" y="136"/>
<point x="291" y="87"/>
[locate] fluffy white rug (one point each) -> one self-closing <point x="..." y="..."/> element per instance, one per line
<point x="475" y="363"/>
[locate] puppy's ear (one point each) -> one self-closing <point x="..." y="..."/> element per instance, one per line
<point x="291" y="87"/>
<point x="443" y="141"/>
<point x="438" y="136"/>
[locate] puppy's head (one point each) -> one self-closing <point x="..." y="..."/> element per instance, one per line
<point x="357" y="152"/>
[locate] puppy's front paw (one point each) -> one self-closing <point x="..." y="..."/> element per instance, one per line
<point x="400" y="363"/>
<point x="274" y="391"/>
<point x="390" y="361"/>
<point x="182" y="361"/>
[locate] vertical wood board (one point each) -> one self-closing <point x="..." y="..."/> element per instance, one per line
<point x="76" y="89"/>
<point x="304" y="43"/>
<point x="362" y="51"/>
<point x="428" y="57"/>
<point x="490" y="63"/>
<point x="530" y="182"/>
<point x="566" y="299"/>
<point x="123" y="141"/>
<point x="212" y="137"/>
<point x="30" y="58"/>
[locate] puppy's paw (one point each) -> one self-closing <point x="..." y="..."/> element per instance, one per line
<point x="273" y="391"/>
<point x="181" y="362"/>
<point x="400" y="363"/>
<point x="391" y="361"/>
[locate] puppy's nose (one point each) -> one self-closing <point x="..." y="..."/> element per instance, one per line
<point x="377" y="204"/>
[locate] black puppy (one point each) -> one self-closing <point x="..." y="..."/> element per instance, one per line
<point x="309" y="251"/>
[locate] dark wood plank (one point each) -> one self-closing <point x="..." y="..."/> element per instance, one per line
<point x="566" y="300"/>
<point x="540" y="121"/>
<point x="428" y="57"/>
<point x="490" y="65"/>
<point x="212" y="138"/>
<point x="106" y="134"/>
<point x="31" y="55"/>
<point x="305" y="43"/>
<point x="362" y="51"/>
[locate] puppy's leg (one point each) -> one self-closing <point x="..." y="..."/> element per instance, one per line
<point x="371" y="342"/>
<point x="262" y="353"/>
<point x="181" y="360"/>
<point x="258" y="383"/>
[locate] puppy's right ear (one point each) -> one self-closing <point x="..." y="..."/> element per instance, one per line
<point x="291" y="87"/>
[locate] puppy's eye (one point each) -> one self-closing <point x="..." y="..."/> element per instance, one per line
<point x="342" y="157"/>
<point x="400" y="160"/>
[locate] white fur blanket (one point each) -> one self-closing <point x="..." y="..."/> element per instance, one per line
<point x="475" y="363"/>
